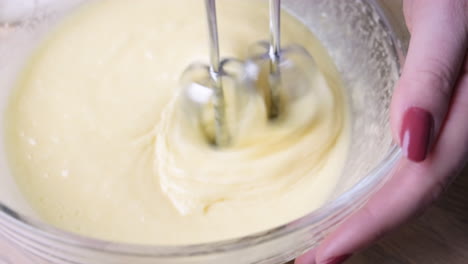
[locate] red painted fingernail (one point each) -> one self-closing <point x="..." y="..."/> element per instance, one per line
<point x="338" y="260"/>
<point x="416" y="133"/>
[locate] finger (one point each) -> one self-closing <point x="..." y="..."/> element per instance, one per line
<point x="422" y="96"/>
<point x="308" y="258"/>
<point x="412" y="188"/>
<point x="407" y="11"/>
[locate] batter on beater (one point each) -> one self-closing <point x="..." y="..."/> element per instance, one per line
<point x="99" y="145"/>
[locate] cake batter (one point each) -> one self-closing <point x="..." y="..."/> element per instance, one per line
<point x="99" y="144"/>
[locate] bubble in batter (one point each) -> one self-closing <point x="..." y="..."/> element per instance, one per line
<point x="99" y="148"/>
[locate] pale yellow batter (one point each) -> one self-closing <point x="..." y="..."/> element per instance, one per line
<point x="99" y="144"/>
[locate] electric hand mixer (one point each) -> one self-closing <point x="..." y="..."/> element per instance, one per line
<point x="280" y="76"/>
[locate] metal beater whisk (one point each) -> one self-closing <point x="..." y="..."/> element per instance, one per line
<point x="280" y="75"/>
<point x="206" y="86"/>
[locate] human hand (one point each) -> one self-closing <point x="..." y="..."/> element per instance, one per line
<point x="429" y="118"/>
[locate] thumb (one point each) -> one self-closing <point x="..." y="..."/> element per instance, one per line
<point x="436" y="53"/>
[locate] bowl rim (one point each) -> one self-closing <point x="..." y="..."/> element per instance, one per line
<point x="358" y="192"/>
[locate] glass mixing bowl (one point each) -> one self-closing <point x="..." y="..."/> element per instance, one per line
<point x="367" y="41"/>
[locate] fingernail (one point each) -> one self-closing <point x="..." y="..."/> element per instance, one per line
<point x="338" y="260"/>
<point x="416" y="133"/>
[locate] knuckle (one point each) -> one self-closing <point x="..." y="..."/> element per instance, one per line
<point x="439" y="186"/>
<point x="433" y="184"/>
<point x="458" y="12"/>
<point x="435" y="79"/>
<point x="437" y="190"/>
<point x="460" y="7"/>
<point x="372" y="217"/>
<point x="461" y="96"/>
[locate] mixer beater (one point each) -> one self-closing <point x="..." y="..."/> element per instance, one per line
<point x="279" y="75"/>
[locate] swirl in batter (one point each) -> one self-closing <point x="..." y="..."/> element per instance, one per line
<point x="100" y="146"/>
